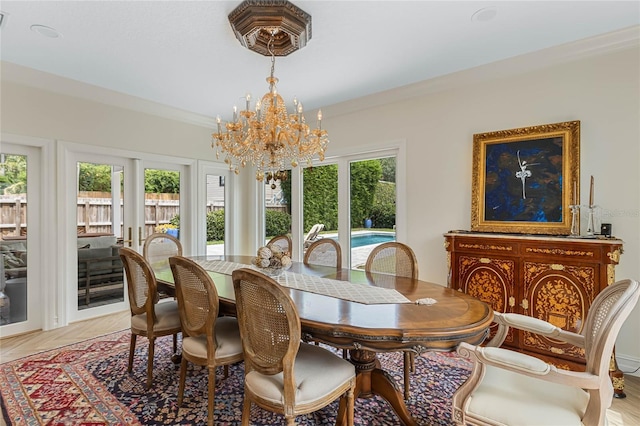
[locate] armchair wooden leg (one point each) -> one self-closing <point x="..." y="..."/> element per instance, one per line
<point x="183" y="377"/>
<point x="246" y="412"/>
<point x="212" y="395"/>
<point x="152" y="344"/>
<point x="132" y="348"/>
<point x="407" y="375"/>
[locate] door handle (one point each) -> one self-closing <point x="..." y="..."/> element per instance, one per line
<point x="129" y="240"/>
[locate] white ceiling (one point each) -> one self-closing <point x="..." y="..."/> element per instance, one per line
<point x="183" y="54"/>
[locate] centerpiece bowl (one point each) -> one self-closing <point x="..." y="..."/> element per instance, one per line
<point x="272" y="261"/>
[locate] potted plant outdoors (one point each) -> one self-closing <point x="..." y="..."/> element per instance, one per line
<point x="168" y="228"/>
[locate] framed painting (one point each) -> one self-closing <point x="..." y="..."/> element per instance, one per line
<point x="525" y="179"/>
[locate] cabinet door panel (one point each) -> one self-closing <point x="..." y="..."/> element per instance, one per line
<point x="561" y="295"/>
<point x="490" y="280"/>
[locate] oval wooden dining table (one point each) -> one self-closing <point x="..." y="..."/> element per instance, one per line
<point x="368" y="329"/>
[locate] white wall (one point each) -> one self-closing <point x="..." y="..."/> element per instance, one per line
<point x="602" y="92"/>
<point x="34" y="112"/>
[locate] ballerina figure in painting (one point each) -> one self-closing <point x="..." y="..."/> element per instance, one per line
<point x="524" y="173"/>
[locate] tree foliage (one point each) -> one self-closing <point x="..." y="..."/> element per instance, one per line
<point x="277" y="223"/>
<point x="320" y="205"/>
<point x="215" y="225"/>
<point x="94" y="177"/>
<point x="13" y="174"/>
<point x="97" y="177"/>
<point x="388" y="169"/>
<point x="161" y="182"/>
<point x="369" y="197"/>
<point x="383" y="213"/>
<point x="364" y="178"/>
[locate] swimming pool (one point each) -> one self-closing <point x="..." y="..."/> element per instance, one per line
<point x="360" y="240"/>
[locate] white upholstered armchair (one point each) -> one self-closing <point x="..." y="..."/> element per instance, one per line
<point x="511" y="388"/>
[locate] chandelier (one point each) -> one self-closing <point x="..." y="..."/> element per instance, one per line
<point x="267" y="135"/>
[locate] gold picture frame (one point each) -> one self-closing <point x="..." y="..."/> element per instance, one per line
<point x="524" y="180"/>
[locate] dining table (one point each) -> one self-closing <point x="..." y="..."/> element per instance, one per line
<point x="365" y="313"/>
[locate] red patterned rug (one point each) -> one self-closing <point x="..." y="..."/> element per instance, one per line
<point x="87" y="384"/>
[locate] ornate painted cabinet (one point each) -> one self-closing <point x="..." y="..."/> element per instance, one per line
<point x="551" y="278"/>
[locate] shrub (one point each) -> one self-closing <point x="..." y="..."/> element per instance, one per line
<point x="175" y="221"/>
<point x="383" y="211"/>
<point x="277" y="222"/>
<point x="383" y="215"/>
<point x="215" y="225"/>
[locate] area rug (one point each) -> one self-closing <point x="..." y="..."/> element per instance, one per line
<point x="87" y="384"/>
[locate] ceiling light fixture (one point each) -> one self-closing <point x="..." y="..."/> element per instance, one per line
<point x="267" y="136"/>
<point x="485" y="14"/>
<point x="45" y="31"/>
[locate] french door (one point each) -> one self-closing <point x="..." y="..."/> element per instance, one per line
<point x="102" y="215"/>
<point x="20" y="241"/>
<point x="118" y="201"/>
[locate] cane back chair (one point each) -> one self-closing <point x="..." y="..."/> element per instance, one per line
<point x="282" y="374"/>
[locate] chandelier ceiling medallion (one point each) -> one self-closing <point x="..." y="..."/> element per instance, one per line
<point x="266" y="135"/>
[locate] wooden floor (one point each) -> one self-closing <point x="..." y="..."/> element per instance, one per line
<point x="623" y="412"/>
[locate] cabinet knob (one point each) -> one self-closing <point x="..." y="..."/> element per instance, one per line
<point x="512" y="301"/>
<point x="525" y="304"/>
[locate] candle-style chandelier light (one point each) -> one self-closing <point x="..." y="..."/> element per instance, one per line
<point x="266" y="135"/>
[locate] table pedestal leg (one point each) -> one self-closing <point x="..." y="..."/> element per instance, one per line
<point x="372" y="380"/>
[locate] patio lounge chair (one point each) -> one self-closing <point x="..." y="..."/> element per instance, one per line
<point x="312" y="235"/>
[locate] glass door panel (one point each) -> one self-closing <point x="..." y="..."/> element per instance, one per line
<point x="162" y="202"/>
<point x="100" y="206"/>
<point x="277" y="210"/>
<point x="215" y="219"/>
<point x="320" y="203"/>
<point x="13" y="244"/>
<point x="372" y="206"/>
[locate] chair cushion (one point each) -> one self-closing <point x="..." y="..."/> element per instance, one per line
<point x="227" y="339"/>
<point x="167" y="315"/>
<point x="514" y="399"/>
<point x="318" y="372"/>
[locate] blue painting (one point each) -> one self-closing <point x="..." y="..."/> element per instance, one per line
<point x="524" y="180"/>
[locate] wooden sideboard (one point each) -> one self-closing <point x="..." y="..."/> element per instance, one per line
<point x="551" y="278"/>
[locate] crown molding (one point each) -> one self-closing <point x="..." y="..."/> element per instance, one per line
<point x="52" y="83"/>
<point x="627" y="38"/>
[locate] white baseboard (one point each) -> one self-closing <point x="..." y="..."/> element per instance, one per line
<point x="628" y="365"/>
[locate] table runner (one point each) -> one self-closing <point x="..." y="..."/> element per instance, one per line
<point x="345" y="290"/>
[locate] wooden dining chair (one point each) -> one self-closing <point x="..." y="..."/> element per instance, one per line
<point x="159" y="247"/>
<point x="282" y="374"/>
<point x="397" y="259"/>
<point x="207" y="340"/>
<point x="324" y="252"/>
<point x="148" y="317"/>
<point x="509" y="387"/>
<point x="283" y="241"/>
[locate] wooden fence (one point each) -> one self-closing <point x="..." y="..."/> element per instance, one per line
<point x="94" y="213"/>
